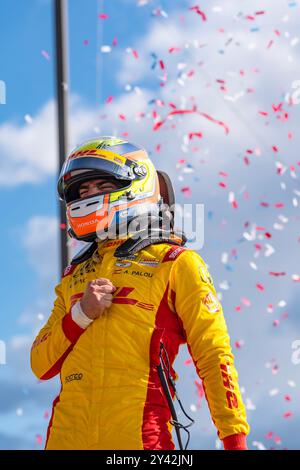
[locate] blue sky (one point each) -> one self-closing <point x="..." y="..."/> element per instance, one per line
<point x="234" y="66"/>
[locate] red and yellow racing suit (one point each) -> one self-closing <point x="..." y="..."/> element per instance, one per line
<point x="111" y="396"/>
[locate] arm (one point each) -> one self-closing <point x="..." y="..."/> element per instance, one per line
<point x="55" y="340"/>
<point x="195" y="301"/>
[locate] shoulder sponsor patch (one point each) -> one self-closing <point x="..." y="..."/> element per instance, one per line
<point x="173" y="253"/>
<point x="205" y="275"/>
<point x="211" y="302"/>
<point x="69" y="270"/>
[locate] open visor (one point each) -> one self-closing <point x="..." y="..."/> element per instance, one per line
<point x="73" y="170"/>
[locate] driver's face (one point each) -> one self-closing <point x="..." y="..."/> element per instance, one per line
<point x="96" y="186"/>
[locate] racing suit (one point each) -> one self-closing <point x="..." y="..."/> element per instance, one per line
<point x="111" y="396"/>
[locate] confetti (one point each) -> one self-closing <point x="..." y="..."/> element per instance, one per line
<point x="45" y="54"/>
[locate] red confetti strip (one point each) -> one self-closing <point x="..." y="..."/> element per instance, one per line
<point x="276" y="274"/>
<point x="192" y="111"/>
<point x="199" y="12"/>
<point x="158" y="125"/>
<point x="278" y="108"/>
<point x="260" y="287"/>
<point x="195" y="134"/>
<point x="222" y="185"/>
<point x="162" y="65"/>
<point x="174" y="49"/>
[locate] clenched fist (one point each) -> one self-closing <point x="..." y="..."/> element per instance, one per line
<point x="97" y="297"/>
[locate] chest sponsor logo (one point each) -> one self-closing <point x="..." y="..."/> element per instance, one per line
<point x="125" y="295"/>
<point x="211" y="302"/>
<point x="72" y="377"/>
<point x="153" y="263"/>
<point x="122" y="263"/>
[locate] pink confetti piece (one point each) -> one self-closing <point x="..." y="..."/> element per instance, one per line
<point x="277" y="440"/>
<point x="161" y="64"/>
<point x="246" y="302"/>
<point x="109" y="99"/>
<point x="276" y="323"/>
<point x="86" y="42"/>
<point x="287" y="398"/>
<point x="174" y="49"/>
<point x="276" y="274"/>
<point x="103" y="16"/>
<point x="45" y="54"/>
<point x="199" y="12"/>
<point x="188" y="362"/>
<point x="46" y="415"/>
<point x="186" y="191"/>
<point x="38" y="439"/>
<point x="115" y="42"/>
<point x="260" y="287"/>
<point x="62" y="226"/>
<point x="195" y="134"/>
<point x="135" y="54"/>
<point x="288" y="414"/>
<point x="200" y="391"/>
<point x="122" y="117"/>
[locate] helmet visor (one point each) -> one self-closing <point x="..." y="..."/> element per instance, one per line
<point x="78" y="169"/>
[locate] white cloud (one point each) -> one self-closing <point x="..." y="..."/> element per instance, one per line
<point x="40" y="238"/>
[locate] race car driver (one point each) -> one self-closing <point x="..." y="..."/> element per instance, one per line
<point x="124" y="306"/>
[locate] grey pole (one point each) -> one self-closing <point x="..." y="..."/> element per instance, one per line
<point x="61" y="47"/>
